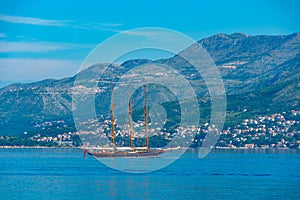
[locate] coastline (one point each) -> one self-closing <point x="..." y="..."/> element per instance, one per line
<point x="193" y="148"/>
<point x="36" y="147"/>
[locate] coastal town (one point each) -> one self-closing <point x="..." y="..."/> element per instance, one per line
<point x="276" y="131"/>
<point x="279" y="130"/>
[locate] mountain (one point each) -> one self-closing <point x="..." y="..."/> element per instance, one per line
<point x="260" y="73"/>
<point x="256" y="60"/>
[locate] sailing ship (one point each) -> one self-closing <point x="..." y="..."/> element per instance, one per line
<point x="128" y="151"/>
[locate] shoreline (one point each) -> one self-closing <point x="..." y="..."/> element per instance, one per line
<point x="215" y="148"/>
<point x="35" y="147"/>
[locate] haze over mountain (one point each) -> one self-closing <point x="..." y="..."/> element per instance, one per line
<point x="260" y="73"/>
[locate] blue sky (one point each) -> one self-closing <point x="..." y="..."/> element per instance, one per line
<point x="49" y="39"/>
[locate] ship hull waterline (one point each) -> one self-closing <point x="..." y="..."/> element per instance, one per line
<point x="126" y="154"/>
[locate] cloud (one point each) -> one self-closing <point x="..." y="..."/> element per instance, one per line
<point x="38" y="47"/>
<point x="60" y="23"/>
<point x="36" y="69"/>
<point x="2" y="35"/>
<point x="112" y="27"/>
<point x="33" y="21"/>
<point x="108" y="24"/>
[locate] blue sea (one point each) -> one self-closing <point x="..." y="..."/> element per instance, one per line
<point x="223" y="174"/>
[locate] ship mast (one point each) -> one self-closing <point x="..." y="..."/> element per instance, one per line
<point x="130" y="120"/>
<point x="112" y="117"/>
<point x="146" y="118"/>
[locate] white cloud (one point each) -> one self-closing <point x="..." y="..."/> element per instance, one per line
<point x="105" y="24"/>
<point x="111" y="27"/>
<point x="36" y="69"/>
<point x="37" y="47"/>
<point x="33" y="21"/>
<point x="61" y="23"/>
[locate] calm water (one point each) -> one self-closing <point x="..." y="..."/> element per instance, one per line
<point x="65" y="174"/>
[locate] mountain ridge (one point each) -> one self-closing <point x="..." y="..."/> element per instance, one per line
<point x="248" y="64"/>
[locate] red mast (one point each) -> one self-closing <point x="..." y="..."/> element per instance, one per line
<point x="112" y="117"/>
<point x="146" y="119"/>
<point x="130" y="120"/>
